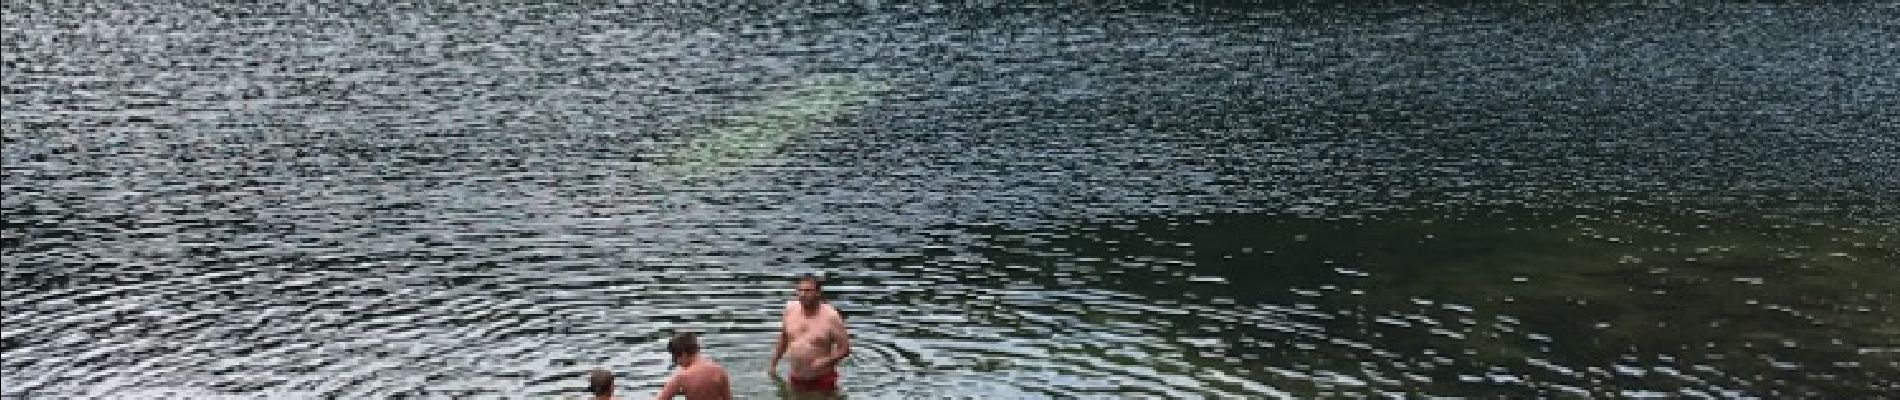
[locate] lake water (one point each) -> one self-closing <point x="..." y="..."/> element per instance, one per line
<point x="1009" y="200"/>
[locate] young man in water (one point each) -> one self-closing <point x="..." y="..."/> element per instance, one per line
<point x="698" y="377"/>
<point x="813" y="338"/>
<point x="601" y="384"/>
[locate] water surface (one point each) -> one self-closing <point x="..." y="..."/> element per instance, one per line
<point x="1199" y="200"/>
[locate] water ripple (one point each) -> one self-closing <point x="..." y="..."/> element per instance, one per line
<point x="1203" y="199"/>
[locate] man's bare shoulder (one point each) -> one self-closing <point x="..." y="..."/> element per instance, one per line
<point x="833" y="314"/>
<point x="790" y="309"/>
<point x="705" y="370"/>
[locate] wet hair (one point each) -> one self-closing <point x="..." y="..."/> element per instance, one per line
<point x="816" y="282"/>
<point x="683" y="343"/>
<point x="600" y="383"/>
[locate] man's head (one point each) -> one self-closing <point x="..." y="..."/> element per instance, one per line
<point x="683" y="347"/>
<point x="810" y="292"/>
<point x="600" y="383"/>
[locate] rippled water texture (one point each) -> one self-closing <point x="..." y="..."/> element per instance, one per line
<point x="1036" y="200"/>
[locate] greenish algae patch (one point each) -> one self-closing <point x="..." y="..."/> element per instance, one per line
<point x="765" y="128"/>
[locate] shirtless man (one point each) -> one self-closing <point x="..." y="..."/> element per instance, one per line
<point x="698" y="377"/>
<point x="813" y="338"/>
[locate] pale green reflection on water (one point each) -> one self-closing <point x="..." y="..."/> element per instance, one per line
<point x="759" y="130"/>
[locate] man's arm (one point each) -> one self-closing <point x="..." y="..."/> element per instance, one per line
<point x="672" y="388"/>
<point x="840" y="348"/>
<point x="725" y="387"/>
<point x="778" y="350"/>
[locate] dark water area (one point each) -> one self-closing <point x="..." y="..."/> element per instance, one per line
<point x="1010" y="200"/>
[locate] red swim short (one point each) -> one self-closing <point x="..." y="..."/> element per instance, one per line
<point x="822" y="383"/>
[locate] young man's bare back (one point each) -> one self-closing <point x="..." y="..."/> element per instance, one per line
<point x="698" y="377"/>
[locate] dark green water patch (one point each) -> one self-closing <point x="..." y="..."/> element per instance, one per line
<point x="1605" y="301"/>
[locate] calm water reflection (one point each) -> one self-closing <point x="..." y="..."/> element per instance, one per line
<point x="1199" y="200"/>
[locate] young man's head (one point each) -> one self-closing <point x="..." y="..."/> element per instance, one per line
<point x="600" y="383"/>
<point x="683" y="347"/>
<point x="810" y="292"/>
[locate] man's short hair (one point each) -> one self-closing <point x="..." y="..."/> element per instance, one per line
<point x="816" y="282"/>
<point x="600" y="383"/>
<point x="683" y="343"/>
